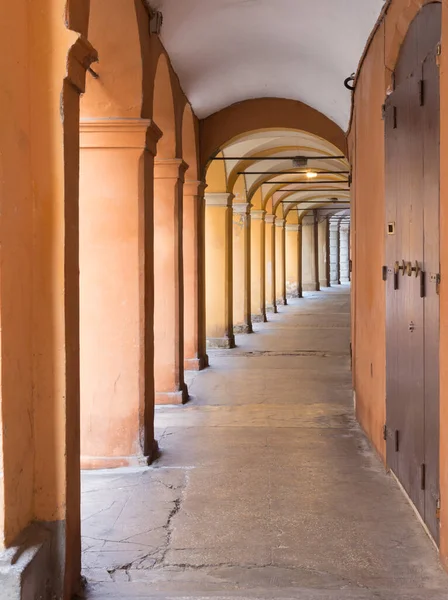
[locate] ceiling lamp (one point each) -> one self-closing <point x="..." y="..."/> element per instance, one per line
<point x="311" y="174"/>
<point x="300" y="161"/>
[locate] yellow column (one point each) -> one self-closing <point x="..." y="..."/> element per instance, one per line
<point x="258" y="266"/>
<point x="168" y="282"/>
<point x="194" y="275"/>
<point x="300" y="243"/>
<point x="292" y="260"/>
<point x="310" y="281"/>
<point x="280" y="268"/>
<point x="271" y="301"/>
<point x="241" y="268"/>
<point x="218" y="270"/>
<point x="324" y="251"/>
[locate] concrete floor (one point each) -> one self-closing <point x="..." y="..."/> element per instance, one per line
<point x="266" y="487"/>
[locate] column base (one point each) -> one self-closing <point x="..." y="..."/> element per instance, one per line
<point x="310" y="287"/>
<point x="166" y="398"/>
<point x="96" y="463"/>
<point x="196" y="364"/>
<point x="259" y="318"/>
<point x="324" y="283"/>
<point x="224" y="343"/>
<point x="345" y="280"/>
<point x="29" y="568"/>
<point x="244" y="328"/>
<point x="282" y="302"/>
<point x="271" y="308"/>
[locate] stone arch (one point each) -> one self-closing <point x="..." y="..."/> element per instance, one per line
<point x="164" y="113"/>
<point x="261" y="114"/>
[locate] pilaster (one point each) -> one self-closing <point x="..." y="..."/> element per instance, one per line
<point x="169" y="281"/>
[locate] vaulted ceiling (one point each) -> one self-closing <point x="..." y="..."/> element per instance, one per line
<point x="226" y="51"/>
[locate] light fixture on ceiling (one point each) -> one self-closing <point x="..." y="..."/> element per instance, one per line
<point x="311" y="174"/>
<point x="300" y="161"/>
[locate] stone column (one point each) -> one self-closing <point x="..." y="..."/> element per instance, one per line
<point x="241" y="268"/>
<point x="310" y="281"/>
<point x="324" y="253"/>
<point x="292" y="260"/>
<point x="280" y="261"/>
<point x="344" y="232"/>
<point x="194" y="276"/>
<point x="219" y="270"/>
<point x="334" y="253"/>
<point x="116" y="292"/>
<point x="258" y="266"/>
<point x="271" y="300"/>
<point x="168" y="282"/>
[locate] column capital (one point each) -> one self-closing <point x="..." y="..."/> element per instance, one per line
<point x="219" y="199"/>
<point x="258" y="215"/>
<point x="194" y="188"/>
<point x="292" y="227"/>
<point x="104" y="133"/>
<point x="280" y="222"/>
<point x="241" y="208"/>
<point x="270" y="219"/>
<point x="171" y="168"/>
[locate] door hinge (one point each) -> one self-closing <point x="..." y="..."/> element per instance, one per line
<point x="383" y="112"/>
<point x="436" y="278"/>
<point x="395" y="117"/>
<point x="439" y="49"/>
<point x="397" y="441"/>
<point x="423" y="476"/>
<point x="384" y="272"/>
<point x="421" y="92"/>
<point x="438" y="506"/>
<point x="385" y="433"/>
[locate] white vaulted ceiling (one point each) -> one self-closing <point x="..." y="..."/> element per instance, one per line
<point x="226" y="51"/>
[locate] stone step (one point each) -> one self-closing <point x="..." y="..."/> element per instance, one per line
<point x="139" y="591"/>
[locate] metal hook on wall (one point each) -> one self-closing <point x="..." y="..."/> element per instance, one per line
<point x="347" y="82"/>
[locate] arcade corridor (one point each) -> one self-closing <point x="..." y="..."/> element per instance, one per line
<point x="266" y="486"/>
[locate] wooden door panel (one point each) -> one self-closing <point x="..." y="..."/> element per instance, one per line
<point x="412" y="310"/>
<point x="431" y="168"/>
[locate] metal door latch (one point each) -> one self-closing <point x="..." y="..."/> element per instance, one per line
<point x="412" y="326"/>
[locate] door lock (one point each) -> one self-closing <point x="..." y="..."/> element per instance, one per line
<point x="412" y="326"/>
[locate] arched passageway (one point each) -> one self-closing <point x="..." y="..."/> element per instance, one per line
<point x="201" y="273"/>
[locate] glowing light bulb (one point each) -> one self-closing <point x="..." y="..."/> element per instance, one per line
<point x="311" y="174"/>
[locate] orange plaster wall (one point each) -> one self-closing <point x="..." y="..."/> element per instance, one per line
<point x="367" y="141"/>
<point x="16" y="447"/>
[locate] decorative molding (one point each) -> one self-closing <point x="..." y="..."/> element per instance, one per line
<point x="194" y="188"/>
<point x="219" y="199"/>
<point x="170" y="168"/>
<point x="292" y="227"/>
<point x="270" y="219"/>
<point x="242" y="208"/>
<point x="258" y="215"/>
<point x="129" y="133"/>
<point x="280" y="222"/>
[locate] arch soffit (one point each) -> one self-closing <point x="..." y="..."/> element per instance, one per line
<point x="190" y="143"/>
<point x="163" y="110"/>
<point x="275" y="151"/>
<point x="304" y="199"/>
<point x="285" y="192"/>
<point x="306" y="211"/>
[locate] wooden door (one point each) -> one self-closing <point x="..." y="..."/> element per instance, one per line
<point x="412" y="254"/>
